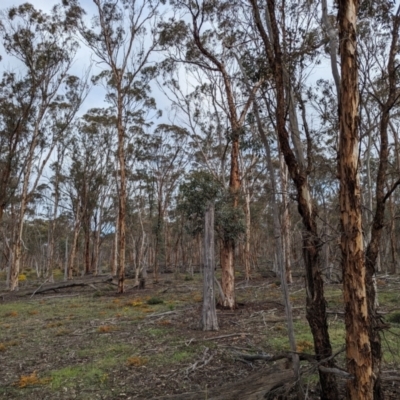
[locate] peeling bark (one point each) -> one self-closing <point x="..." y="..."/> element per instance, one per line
<point x="358" y="347"/>
<point x="315" y="303"/>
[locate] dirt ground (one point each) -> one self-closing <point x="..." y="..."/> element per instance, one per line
<point x="89" y="343"/>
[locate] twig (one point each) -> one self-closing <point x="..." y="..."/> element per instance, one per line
<point x="197" y="364"/>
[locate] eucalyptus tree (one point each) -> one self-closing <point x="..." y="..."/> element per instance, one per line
<point x="378" y="36"/>
<point x="202" y="37"/>
<point x="358" y="348"/>
<point x="88" y="181"/>
<point x="122" y="38"/>
<point x="55" y="182"/>
<point x="16" y="100"/>
<point x="44" y="46"/>
<point x="163" y="158"/>
<point x="379" y="40"/>
<point x="281" y="45"/>
<point x="96" y="131"/>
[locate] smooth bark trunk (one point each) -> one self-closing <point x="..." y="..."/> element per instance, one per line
<point x="122" y="193"/>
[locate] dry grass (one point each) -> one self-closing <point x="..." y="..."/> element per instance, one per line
<point x="31" y="380"/>
<point x="136" y="361"/>
<point x="111" y="345"/>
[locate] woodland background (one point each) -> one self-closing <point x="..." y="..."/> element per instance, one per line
<point x="229" y="102"/>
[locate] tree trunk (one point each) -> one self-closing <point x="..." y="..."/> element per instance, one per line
<point x="17" y="248"/>
<point x="50" y="254"/>
<point x="209" y="320"/>
<point x="246" y="252"/>
<point x="393" y="264"/>
<point x="73" y="250"/>
<point x="358" y="348"/>
<point x="228" y="274"/>
<point x="315" y="303"/>
<point x="122" y="193"/>
<point x="114" y="259"/>
<point x="285" y="225"/>
<point x="372" y="253"/>
<point x="87" y="247"/>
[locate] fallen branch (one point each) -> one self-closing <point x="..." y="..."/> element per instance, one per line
<point x="197" y="364"/>
<point x="217" y="337"/>
<point x="255" y="386"/>
<point x="39" y="288"/>
<point x="46" y="287"/>
<point x="160" y="314"/>
<point x="336" y="371"/>
<point x="273" y="357"/>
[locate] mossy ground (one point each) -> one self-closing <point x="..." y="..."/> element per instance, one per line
<point x="94" y="344"/>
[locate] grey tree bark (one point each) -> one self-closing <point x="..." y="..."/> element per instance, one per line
<point x="209" y="315"/>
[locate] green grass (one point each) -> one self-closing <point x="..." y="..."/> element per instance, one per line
<point x="87" y="375"/>
<point x="82" y="359"/>
<point x="181" y="356"/>
<point x="388" y="297"/>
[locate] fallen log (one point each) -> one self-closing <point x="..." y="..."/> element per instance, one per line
<point x="254" y="387"/>
<point x="46" y="287"/>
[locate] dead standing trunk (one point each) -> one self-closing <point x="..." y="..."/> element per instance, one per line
<point x="236" y="124"/>
<point x="358" y="348"/>
<point x="209" y="315"/>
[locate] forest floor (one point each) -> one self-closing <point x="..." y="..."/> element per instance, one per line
<point x="90" y="343"/>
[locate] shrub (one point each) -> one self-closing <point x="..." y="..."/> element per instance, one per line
<point x="155" y="300"/>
